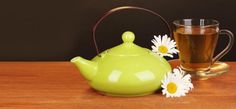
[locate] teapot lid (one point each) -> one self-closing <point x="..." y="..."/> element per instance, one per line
<point x="127" y="47"/>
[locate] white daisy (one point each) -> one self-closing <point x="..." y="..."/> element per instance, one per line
<point x="164" y="46"/>
<point x="176" y="84"/>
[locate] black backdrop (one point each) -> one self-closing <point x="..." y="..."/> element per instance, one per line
<point x="51" y="30"/>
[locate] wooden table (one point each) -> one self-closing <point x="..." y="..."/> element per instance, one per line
<point x="59" y="85"/>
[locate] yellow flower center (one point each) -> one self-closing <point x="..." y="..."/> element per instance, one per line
<point x="163" y="49"/>
<point x="171" y="87"/>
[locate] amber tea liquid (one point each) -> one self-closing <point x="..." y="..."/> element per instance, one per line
<point x="196" y="46"/>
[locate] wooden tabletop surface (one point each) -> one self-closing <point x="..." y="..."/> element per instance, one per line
<point x="59" y="85"/>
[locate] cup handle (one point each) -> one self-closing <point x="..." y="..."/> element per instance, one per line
<point x="228" y="47"/>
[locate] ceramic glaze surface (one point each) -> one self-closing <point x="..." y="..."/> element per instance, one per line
<point x="130" y="74"/>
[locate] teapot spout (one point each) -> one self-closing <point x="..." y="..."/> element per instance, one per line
<point x="87" y="68"/>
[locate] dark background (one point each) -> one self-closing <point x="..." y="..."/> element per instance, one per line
<point x="57" y="30"/>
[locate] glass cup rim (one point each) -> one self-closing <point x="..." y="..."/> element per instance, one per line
<point x="214" y="24"/>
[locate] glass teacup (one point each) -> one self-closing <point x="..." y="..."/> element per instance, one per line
<point x="196" y="40"/>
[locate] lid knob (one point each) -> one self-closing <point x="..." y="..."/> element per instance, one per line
<point x="128" y="37"/>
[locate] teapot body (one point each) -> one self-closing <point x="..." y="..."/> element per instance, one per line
<point x="129" y="75"/>
<point x="124" y="70"/>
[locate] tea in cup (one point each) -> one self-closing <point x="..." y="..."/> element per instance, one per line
<point x="196" y="40"/>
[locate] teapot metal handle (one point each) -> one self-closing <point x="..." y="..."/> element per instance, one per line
<point x="125" y="8"/>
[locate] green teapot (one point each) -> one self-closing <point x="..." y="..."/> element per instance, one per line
<point x="124" y="70"/>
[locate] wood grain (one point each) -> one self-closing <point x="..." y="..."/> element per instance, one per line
<point x="59" y="85"/>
